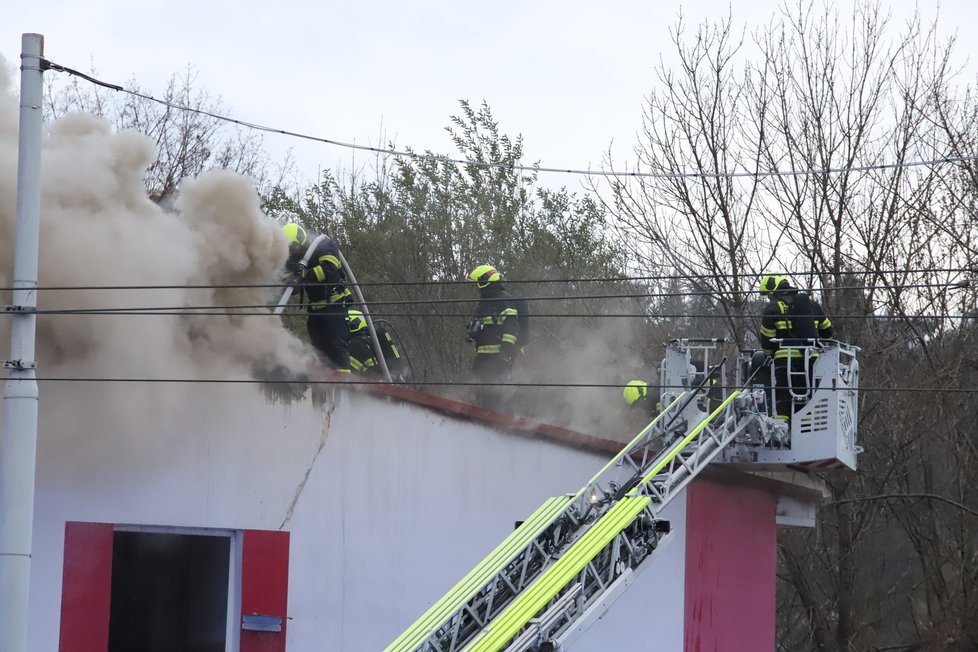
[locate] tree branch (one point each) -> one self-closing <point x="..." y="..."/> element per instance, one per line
<point x="914" y="496"/>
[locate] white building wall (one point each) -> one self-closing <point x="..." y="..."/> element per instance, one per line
<point x="391" y="503"/>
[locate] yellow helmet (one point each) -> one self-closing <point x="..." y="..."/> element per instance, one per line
<point x="635" y="390"/>
<point x="483" y="275"/>
<point x="356" y="321"/>
<point x="295" y="234"/>
<point x="772" y="283"/>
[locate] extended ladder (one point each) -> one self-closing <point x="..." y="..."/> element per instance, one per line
<point x="577" y="552"/>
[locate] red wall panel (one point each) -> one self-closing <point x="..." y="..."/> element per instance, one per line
<point x="86" y="587"/>
<point x="265" y="586"/>
<point x="731" y="562"/>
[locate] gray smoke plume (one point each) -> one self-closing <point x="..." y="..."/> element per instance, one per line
<point x="605" y="353"/>
<point x="99" y="228"/>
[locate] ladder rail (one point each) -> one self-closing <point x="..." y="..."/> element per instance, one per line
<point x="448" y="622"/>
<point x="638" y="537"/>
<point x="478" y="599"/>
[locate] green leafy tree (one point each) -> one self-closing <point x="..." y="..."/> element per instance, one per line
<point x="414" y="231"/>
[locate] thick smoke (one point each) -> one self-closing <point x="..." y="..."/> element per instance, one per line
<point x="98" y="228"/>
<point x="598" y="352"/>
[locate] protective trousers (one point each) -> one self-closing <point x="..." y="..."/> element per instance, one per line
<point x="330" y="334"/>
<point x="492" y="368"/>
<point x="784" y="387"/>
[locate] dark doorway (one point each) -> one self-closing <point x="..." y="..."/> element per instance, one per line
<point x="169" y="592"/>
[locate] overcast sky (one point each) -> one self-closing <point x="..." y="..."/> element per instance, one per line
<point x="568" y="75"/>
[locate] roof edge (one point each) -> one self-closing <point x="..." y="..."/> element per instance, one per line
<point x="509" y="422"/>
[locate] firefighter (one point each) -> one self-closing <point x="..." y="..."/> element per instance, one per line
<point x="495" y="331"/>
<point x="639" y="395"/>
<point x="796" y="320"/>
<point x="323" y="280"/>
<point x="363" y="358"/>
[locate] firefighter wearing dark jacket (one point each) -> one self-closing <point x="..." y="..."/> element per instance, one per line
<point x="495" y="331"/>
<point x="639" y="395"/>
<point x="363" y="358"/>
<point x="324" y="283"/>
<point x="795" y="320"/>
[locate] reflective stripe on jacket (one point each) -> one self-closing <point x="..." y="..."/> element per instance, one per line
<point x="776" y="324"/>
<point x="499" y="319"/>
<point x="324" y="277"/>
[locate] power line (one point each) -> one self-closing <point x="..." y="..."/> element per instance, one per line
<point x="614" y="279"/>
<point x="264" y="310"/>
<point x="633" y="295"/>
<point x="50" y="65"/>
<point x="451" y="383"/>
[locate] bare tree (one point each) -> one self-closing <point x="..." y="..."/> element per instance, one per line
<point x="688" y="216"/>
<point x="189" y="136"/>
<point x="808" y="151"/>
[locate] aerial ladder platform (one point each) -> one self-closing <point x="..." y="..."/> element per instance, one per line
<point x="562" y="568"/>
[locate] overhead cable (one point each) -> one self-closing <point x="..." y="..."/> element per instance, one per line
<point x="409" y="154"/>
<point x="583" y="297"/>
<point x="613" y="279"/>
<point x="303" y="381"/>
<point x="264" y="310"/>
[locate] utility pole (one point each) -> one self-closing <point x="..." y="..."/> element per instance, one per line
<point x="18" y="431"/>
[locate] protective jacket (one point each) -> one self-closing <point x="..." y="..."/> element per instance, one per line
<point x="324" y="278"/>
<point x="363" y="358"/>
<point x="495" y="326"/>
<point x="324" y="283"/>
<point x="794" y="318"/>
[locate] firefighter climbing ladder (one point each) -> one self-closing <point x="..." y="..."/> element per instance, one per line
<point x="581" y="549"/>
<point x="556" y="573"/>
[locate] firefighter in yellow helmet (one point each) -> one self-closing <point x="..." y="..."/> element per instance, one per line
<point x="791" y="325"/>
<point x="363" y="357"/>
<point x="363" y="360"/>
<point x="315" y="264"/>
<point x="639" y="395"/>
<point x="494" y="329"/>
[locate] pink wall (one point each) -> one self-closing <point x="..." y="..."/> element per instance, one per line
<point x="731" y="560"/>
